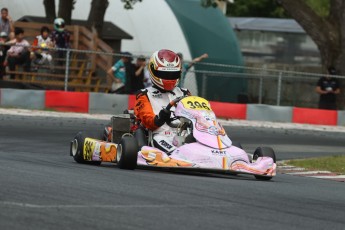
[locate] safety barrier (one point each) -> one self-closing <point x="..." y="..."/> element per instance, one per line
<point x="85" y="102"/>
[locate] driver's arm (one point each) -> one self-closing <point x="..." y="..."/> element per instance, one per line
<point x="144" y="112"/>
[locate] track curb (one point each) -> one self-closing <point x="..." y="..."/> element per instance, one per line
<point x="284" y="168"/>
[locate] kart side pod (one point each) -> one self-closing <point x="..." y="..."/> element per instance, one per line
<point x="85" y="149"/>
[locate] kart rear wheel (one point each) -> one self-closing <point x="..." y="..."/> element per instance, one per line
<point x="264" y="152"/>
<point x="237" y="144"/>
<point x="127" y="153"/>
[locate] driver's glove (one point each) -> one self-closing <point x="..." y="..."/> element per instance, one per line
<point x="162" y="117"/>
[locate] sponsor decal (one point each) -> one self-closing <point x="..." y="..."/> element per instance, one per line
<point x="139" y="106"/>
<point x="167" y="133"/>
<point x="108" y="152"/>
<point x="157" y="94"/>
<point x="168" y="68"/>
<point x="218" y="152"/>
<point x="165" y="144"/>
<point x="151" y="155"/>
<point x="89" y="147"/>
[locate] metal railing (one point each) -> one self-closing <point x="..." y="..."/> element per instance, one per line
<point x="215" y="81"/>
<point x="259" y="85"/>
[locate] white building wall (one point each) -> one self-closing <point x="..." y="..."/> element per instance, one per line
<point x="152" y="23"/>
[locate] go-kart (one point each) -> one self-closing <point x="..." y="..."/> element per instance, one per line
<point x="200" y="143"/>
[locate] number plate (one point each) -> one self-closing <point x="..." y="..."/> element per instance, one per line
<point x="196" y="103"/>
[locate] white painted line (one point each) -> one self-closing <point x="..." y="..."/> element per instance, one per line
<point x="286" y="167"/>
<point x="294" y="169"/>
<point x="41" y="113"/>
<point x="330" y="177"/>
<point x="232" y="122"/>
<point x="135" y="206"/>
<point x="308" y="172"/>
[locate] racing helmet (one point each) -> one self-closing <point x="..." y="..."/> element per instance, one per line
<point x="165" y="69"/>
<point x="59" y="24"/>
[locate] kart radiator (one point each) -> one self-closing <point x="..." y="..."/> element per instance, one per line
<point x="121" y="124"/>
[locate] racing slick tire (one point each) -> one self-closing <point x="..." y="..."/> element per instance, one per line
<point x="237" y="144"/>
<point x="77" y="149"/>
<point x="127" y="153"/>
<point x="264" y="152"/>
<point x="141" y="138"/>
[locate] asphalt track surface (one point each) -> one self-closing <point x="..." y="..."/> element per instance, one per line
<point x="41" y="187"/>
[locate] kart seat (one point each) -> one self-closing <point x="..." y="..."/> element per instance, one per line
<point x="189" y="139"/>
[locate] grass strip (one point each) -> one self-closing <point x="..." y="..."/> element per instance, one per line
<point x="334" y="164"/>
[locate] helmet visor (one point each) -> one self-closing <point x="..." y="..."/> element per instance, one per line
<point x="166" y="75"/>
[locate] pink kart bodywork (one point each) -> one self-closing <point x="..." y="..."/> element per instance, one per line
<point x="213" y="149"/>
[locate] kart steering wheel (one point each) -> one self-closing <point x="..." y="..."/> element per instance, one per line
<point x="174" y="102"/>
<point x="168" y="108"/>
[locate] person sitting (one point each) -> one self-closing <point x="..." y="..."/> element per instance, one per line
<point x="165" y="71"/>
<point x="19" y="53"/>
<point x="41" y="44"/>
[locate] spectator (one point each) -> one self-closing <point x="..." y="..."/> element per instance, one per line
<point x="40" y="51"/>
<point x="6" y="23"/>
<point x="19" y="53"/>
<point x="118" y="73"/>
<point x="147" y="80"/>
<point x="60" y="38"/>
<point x="3" y="52"/>
<point x="137" y="79"/>
<point x="187" y="66"/>
<point x="328" y="87"/>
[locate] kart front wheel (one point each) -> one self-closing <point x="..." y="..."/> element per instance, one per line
<point x="264" y="152"/>
<point x="77" y="148"/>
<point x="127" y="153"/>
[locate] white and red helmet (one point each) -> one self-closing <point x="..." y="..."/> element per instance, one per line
<point x="165" y="69"/>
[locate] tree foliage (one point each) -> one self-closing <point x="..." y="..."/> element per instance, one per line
<point x="128" y="4"/>
<point x="256" y="8"/>
<point x="326" y="30"/>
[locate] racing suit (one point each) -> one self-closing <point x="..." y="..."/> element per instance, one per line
<point x="149" y="102"/>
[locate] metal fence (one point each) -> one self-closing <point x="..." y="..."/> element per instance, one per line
<point x="212" y="81"/>
<point x="257" y="85"/>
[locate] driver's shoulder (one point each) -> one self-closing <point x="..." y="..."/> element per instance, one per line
<point x="140" y="93"/>
<point x="183" y="91"/>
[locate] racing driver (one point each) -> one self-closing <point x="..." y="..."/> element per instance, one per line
<point x="165" y="71"/>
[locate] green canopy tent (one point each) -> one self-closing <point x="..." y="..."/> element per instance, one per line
<point x="207" y="30"/>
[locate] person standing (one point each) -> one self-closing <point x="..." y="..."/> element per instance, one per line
<point x="118" y="73"/>
<point x="60" y="38"/>
<point x="137" y="80"/>
<point x="6" y="23"/>
<point x="187" y="65"/>
<point x="3" y="53"/>
<point x="328" y="88"/>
